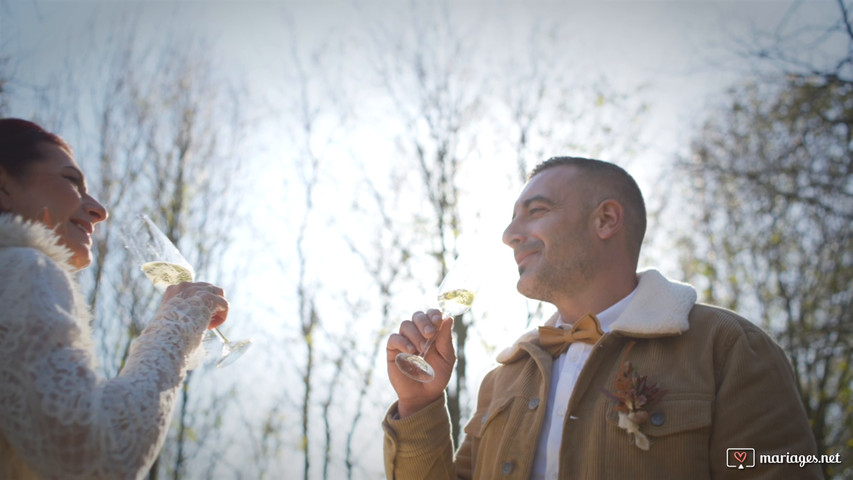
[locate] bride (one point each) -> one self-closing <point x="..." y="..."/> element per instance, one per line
<point x="58" y="418"/>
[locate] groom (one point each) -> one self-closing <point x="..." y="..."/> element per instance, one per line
<point x="639" y="381"/>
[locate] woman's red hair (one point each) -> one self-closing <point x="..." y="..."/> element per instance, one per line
<point x="19" y="141"/>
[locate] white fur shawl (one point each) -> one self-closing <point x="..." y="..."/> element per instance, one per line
<point x="17" y="232"/>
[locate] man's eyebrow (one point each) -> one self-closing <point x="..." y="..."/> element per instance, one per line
<point x="537" y="198"/>
<point x="534" y="199"/>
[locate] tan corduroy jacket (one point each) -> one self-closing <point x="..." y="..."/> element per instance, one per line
<point x="729" y="386"/>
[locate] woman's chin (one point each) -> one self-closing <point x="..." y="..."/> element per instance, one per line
<point x="80" y="258"/>
<point x="80" y="264"/>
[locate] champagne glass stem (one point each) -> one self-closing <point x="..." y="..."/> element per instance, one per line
<point x="220" y="336"/>
<point x="427" y="346"/>
<point x="431" y="340"/>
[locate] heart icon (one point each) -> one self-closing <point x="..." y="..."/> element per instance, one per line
<point x="740" y="456"/>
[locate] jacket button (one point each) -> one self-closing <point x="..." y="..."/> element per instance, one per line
<point x="507" y="468"/>
<point x="533" y="403"/>
<point x="657" y="419"/>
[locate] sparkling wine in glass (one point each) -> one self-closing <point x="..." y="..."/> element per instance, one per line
<point x="164" y="265"/>
<point x="455" y="296"/>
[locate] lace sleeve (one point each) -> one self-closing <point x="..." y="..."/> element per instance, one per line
<point x="55" y="412"/>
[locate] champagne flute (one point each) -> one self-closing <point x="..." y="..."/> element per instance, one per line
<point x="164" y="265"/>
<point x="455" y="295"/>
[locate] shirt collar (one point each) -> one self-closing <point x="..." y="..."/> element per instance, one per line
<point x="610" y="314"/>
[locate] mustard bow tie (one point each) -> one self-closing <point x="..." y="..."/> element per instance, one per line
<point x="557" y="340"/>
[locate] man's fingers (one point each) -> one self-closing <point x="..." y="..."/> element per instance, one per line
<point x="444" y="342"/>
<point x="398" y="343"/>
<point x="426" y="326"/>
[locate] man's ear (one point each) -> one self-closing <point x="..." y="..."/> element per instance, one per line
<point x="609" y="218"/>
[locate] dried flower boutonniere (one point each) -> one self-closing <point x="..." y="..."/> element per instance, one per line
<point x="633" y="394"/>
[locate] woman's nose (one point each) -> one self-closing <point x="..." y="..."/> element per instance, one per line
<point x="97" y="212"/>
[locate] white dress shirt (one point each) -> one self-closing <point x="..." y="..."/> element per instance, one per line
<point x="564" y="375"/>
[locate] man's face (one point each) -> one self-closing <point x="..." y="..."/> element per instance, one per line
<point x="551" y="235"/>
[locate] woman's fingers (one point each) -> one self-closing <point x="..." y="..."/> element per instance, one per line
<point x="212" y="296"/>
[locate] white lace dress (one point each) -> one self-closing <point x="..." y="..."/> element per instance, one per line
<point x="58" y="419"/>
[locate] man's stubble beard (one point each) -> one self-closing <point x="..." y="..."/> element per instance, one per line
<point x="568" y="278"/>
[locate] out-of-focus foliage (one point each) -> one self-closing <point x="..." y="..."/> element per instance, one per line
<point x="770" y="197"/>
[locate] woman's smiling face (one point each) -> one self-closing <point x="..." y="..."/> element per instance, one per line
<point x="53" y="191"/>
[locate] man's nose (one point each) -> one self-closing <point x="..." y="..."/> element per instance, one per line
<point x="512" y="235"/>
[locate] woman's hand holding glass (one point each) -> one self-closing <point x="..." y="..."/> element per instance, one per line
<point x="212" y="296"/>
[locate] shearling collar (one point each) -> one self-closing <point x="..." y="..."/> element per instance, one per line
<point x="659" y="308"/>
<point x="17" y="232"/>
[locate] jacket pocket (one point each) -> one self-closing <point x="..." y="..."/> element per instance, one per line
<point x="489" y="431"/>
<point x="674" y="415"/>
<point x="678" y="430"/>
<point x="492" y="417"/>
